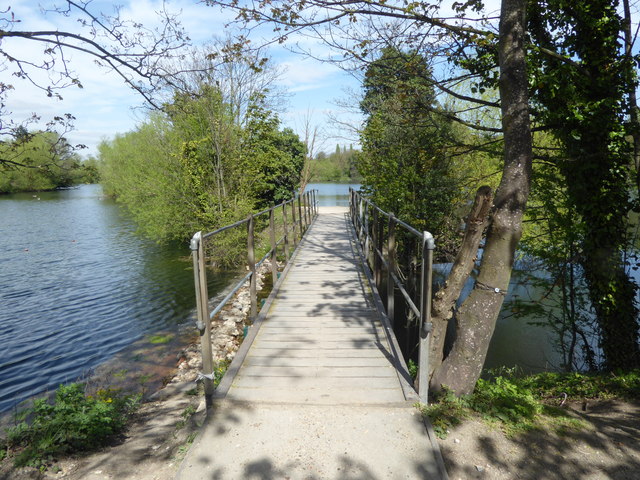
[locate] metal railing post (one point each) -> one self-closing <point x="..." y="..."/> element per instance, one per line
<point x="391" y="263"/>
<point x="251" y="260"/>
<point x="351" y="204"/>
<point x="367" y="239"/>
<point x="361" y="210"/>
<point x="293" y="220"/>
<point x="286" y="231"/>
<point x="300" y="217"/>
<point x="428" y="245"/>
<point x="315" y="202"/>
<point x="203" y="323"/>
<point x="377" y="247"/>
<point x="274" y="246"/>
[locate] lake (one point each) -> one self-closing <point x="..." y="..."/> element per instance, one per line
<point x="333" y="194"/>
<point x="77" y="285"/>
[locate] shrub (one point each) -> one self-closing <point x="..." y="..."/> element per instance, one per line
<point x="72" y="422"/>
<point x="504" y="400"/>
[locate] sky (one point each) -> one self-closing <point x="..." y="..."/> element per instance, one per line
<point x="105" y="106"/>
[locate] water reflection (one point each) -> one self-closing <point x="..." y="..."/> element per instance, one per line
<point x="333" y="194"/>
<point x="77" y="285"/>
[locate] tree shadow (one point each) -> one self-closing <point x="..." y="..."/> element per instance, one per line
<point x="607" y="448"/>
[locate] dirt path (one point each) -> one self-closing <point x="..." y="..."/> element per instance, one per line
<point x="608" y="448"/>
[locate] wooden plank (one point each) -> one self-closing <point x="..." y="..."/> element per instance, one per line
<point x="322" y="340"/>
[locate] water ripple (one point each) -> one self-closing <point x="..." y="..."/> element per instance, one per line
<point x="76" y="286"/>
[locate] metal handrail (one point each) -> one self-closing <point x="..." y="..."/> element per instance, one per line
<point x="359" y="208"/>
<point x="204" y="316"/>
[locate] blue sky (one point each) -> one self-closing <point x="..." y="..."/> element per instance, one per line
<point x="105" y="106"/>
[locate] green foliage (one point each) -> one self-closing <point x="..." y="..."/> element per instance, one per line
<point x="407" y="162"/>
<point x="504" y="400"/>
<point x="581" y="94"/>
<point x="72" y="422"/>
<point x="196" y="168"/>
<point x="337" y="167"/>
<point x="447" y="412"/>
<point x="579" y="386"/>
<point x="40" y="161"/>
<point x="519" y="403"/>
<point x="271" y="159"/>
<point x="413" y="368"/>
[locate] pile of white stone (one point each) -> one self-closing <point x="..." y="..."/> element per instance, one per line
<point x="227" y="332"/>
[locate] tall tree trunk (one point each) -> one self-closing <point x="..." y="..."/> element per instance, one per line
<point x="634" y="124"/>
<point x="445" y="299"/>
<point x="476" y="318"/>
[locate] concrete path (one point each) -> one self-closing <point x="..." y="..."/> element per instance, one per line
<point x="316" y="391"/>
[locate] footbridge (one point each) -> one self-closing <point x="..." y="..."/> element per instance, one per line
<point x="319" y="388"/>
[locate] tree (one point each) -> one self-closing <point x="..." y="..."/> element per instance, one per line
<point x="582" y="92"/>
<point x="49" y="161"/>
<point x="134" y="52"/>
<point x="405" y="163"/>
<point x="418" y="24"/>
<point x="273" y="159"/>
<point x="194" y="168"/>
<point x="477" y="315"/>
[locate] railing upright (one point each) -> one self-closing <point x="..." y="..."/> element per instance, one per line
<point x="286" y="231"/>
<point x="428" y="245"/>
<point x="274" y="245"/>
<point x="377" y="247"/>
<point x="367" y="238"/>
<point x="307" y="211"/>
<point x="203" y="324"/>
<point x="293" y="220"/>
<point x="391" y="267"/>
<point x="251" y="260"/>
<point x="300" y="217"/>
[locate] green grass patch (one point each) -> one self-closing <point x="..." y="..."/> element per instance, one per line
<point x="519" y="403"/>
<point x="71" y="422"/>
<point x="447" y="412"/>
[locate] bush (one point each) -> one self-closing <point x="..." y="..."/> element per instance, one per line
<point x="504" y="400"/>
<point x="73" y="422"/>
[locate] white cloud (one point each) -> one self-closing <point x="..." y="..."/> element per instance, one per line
<point x="103" y="107"/>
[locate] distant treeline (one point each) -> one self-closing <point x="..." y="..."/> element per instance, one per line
<point x="339" y="166"/>
<point x="40" y="161"/>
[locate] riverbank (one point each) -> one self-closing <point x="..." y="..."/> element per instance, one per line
<point x="606" y="446"/>
<point x="163" y="368"/>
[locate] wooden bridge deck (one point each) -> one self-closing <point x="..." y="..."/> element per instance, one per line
<point x="316" y="391"/>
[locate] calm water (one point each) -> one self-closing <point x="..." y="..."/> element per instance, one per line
<point x="333" y="194"/>
<point x="77" y="285"/>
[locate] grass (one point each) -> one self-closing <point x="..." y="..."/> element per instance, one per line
<point x="71" y="422"/>
<point x="518" y="403"/>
